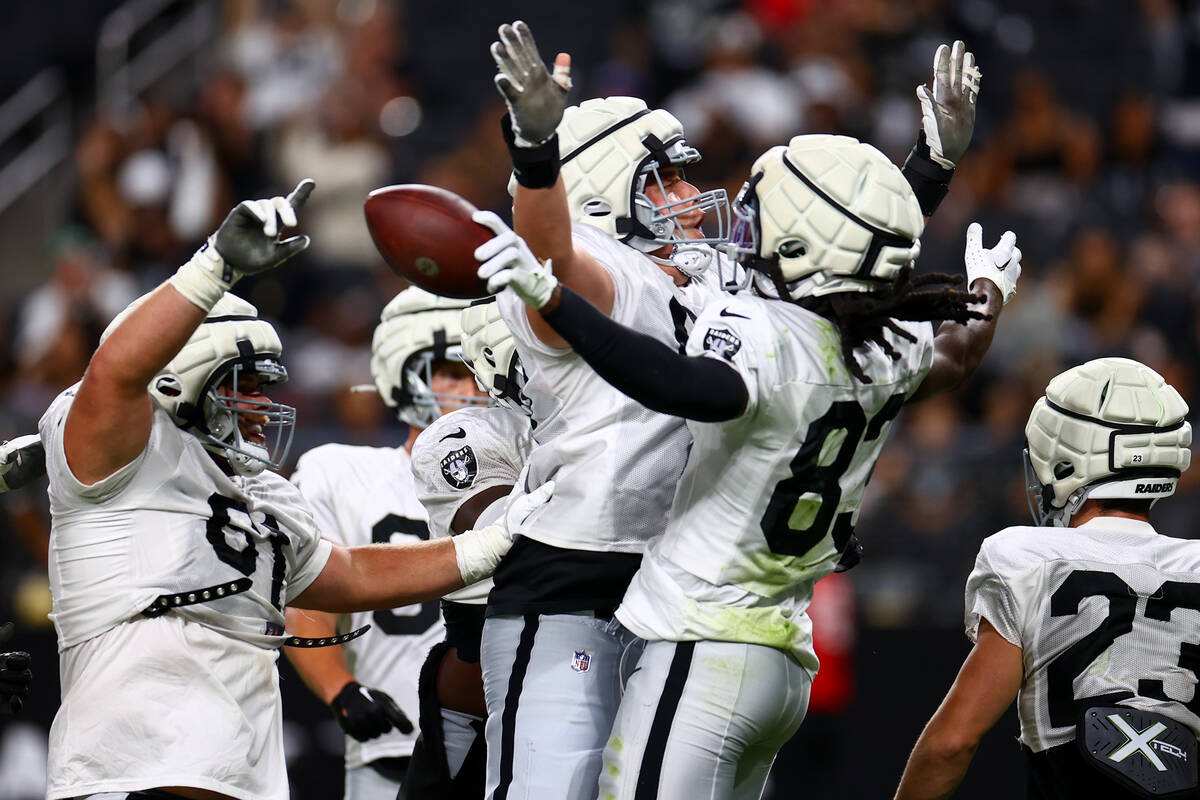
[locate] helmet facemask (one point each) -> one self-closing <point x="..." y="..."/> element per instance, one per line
<point x="419" y="404"/>
<point x="610" y="151"/>
<point x="658" y="225"/>
<point x="223" y="406"/>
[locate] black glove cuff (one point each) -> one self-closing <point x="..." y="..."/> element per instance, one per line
<point x="929" y="180"/>
<point x="533" y="167"/>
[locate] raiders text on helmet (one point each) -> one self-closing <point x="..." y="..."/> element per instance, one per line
<point x="416" y="329"/>
<point x="231" y="343"/>
<point x="1110" y="428"/>
<point x="825" y="214"/>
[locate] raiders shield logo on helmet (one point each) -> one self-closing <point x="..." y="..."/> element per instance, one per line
<point x="459" y="467"/>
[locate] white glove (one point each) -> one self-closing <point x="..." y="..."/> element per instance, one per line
<point x="21" y="460"/>
<point x="1001" y="265"/>
<point x="246" y="243"/>
<point x="479" y="551"/>
<point x="948" y="114"/>
<point x="507" y="261"/>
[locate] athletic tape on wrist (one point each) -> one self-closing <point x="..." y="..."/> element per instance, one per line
<point x="930" y="181"/>
<point x="534" y="167"/>
<point x="205" y="278"/>
<point x="477" y="552"/>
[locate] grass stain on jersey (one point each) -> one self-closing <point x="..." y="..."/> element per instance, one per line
<point x="829" y="346"/>
<point x="805" y="511"/>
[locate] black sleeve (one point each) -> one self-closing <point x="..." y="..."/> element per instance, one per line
<point x="929" y="180"/>
<point x="644" y="368"/>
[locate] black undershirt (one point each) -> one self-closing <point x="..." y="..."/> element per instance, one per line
<point x="645" y="369"/>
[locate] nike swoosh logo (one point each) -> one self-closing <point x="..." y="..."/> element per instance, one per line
<point x="725" y="312"/>
<point x="458" y="434"/>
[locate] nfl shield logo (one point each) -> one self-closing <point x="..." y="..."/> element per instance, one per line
<point x="582" y="661"/>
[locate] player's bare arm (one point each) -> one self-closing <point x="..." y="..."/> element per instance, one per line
<point x="109" y="422"/>
<point x="364" y="713"/>
<point x="323" y="669"/>
<point x="985" y="687"/>
<point x="536" y="99"/>
<point x="385" y="576"/>
<point x="959" y="347"/>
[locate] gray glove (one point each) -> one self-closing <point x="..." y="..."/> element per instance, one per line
<point x="21" y="460"/>
<point x="249" y="240"/>
<point x="948" y="114"/>
<point x="247" y="243"/>
<point x="535" y="99"/>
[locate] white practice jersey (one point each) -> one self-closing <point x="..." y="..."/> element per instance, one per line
<point x="189" y="698"/>
<point x="360" y="496"/>
<point x="1107" y="613"/>
<point x="769" y="499"/>
<point x="463" y="453"/>
<point x="614" y="462"/>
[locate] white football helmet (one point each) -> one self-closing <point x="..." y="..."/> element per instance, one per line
<point x="230" y="342"/>
<point x="490" y="352"/>
<point x="416" y="329"/>
<point x="825" y="214"/>
<point x="1110" y="428"/>
<point x="609" y="149"/>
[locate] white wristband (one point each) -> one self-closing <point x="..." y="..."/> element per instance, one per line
<point x="205" y="278"/>
<point x="479" y="551"/>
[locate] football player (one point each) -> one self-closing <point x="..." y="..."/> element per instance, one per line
<point x="174" y="550"/>
<point x="465" y="464"/>
<point x="551" y="651"/>
<point x="616" y="166"/>
<point x="1092" y="629"/>
<point x="790" y="391"/>
<point x="364" y="495"/>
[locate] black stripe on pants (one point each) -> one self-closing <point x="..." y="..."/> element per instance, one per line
<point x="508" y="719"/>
<point x="664" y="716"/>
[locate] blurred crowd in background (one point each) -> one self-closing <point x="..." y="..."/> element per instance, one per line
<point x="1087" y="145"/>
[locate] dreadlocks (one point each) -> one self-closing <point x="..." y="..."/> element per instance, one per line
<point x="863" y="317"/>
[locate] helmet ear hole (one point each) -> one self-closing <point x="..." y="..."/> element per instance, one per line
<point x="597" y="207"/>
<point x="792" y="248"/>
<point x="1063" y="469"/>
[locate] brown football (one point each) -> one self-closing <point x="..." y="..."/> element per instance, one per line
<point x="426" y="235"/>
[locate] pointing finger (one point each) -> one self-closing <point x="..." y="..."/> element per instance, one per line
<point x="299" y="195"/>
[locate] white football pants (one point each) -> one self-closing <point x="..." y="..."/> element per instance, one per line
<point x="552" y="683"/>
<point x="364" y="783"/>
<point x="703" y="720"/>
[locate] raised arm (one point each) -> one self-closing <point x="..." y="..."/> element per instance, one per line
<point x="947" y="122"/>
<point x="958" y="349"/>
<point x="535" y="101"/>
<point x="985" y="687"/>
<point x="109" y="422"/>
